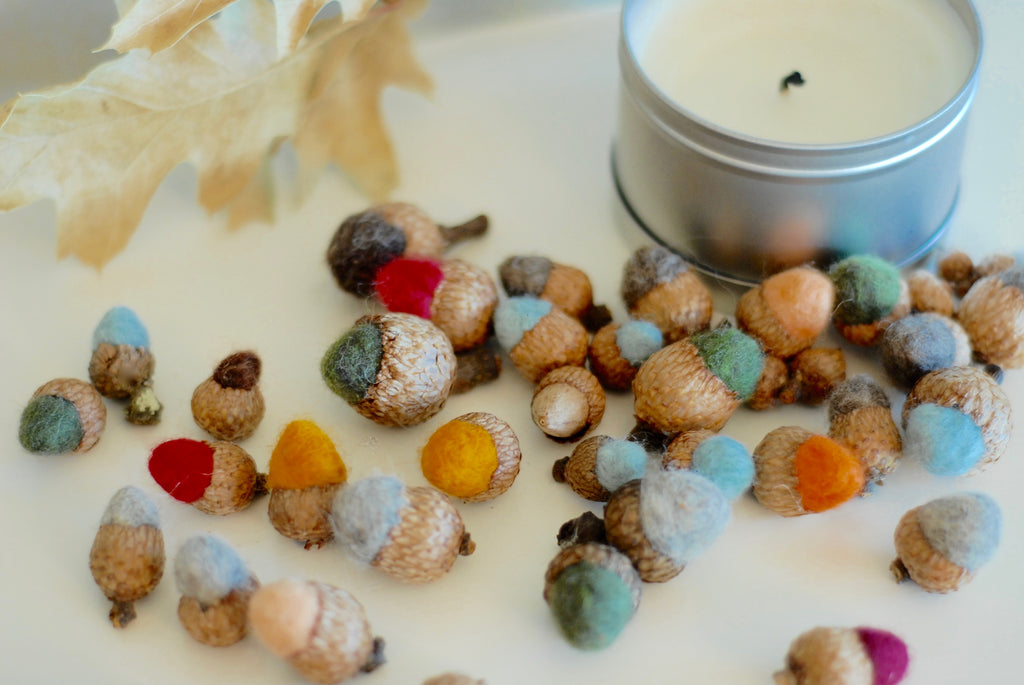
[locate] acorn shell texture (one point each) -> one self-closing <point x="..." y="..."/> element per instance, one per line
<point x="556" y="340"/>
<point x="426" y="541"/>
<point x="992" y="313"/>
<point x="303" y="514"/>
<point x="87" y="403"/>
<point x="787" y="311"/>
<point x="229" y="404"/>
<point x="625" y="531"/>
<point x="464" y="303"/>
<point x="447" y="457"/>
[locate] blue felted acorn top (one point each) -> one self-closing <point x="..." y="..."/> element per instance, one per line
<point x="517" y="315"/>
<point x="964" y="528"/>
<point x="208" y="569"/>
<point x="120" y="326"/>
<point x="365" y="511"/>
<point x="726" y="463"/>
<point x="681" y="512"/>
<point x="618" y="462"/>
<point x="130" y="506"/>
<point x="637" y="340"/>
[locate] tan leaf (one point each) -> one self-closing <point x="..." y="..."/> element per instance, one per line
<point x="219" y="98"/>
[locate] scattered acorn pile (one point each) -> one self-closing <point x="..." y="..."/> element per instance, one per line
<point x="667" y="487"/>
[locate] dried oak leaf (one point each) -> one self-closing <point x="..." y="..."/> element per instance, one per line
<point x="218" y="98"/>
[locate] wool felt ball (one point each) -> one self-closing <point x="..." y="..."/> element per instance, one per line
<point x="127" y="555"/>
<point x="845" y="656"/>
<point x="787" y="311"/>
<point x="919" y="343"/>
<point x="659" y="286"/>
<point x="215" y="587"/>
<point x="538" y="336"/>
<point x="957" y="421"/>
<point x="413" y="534"/>
<point x="593" y="591"/>
<point x="719" y="458"/>
<point x="860" y="418"/>
<point x="567" y="403"/>
<point x="304" y="474"/>
<point x="698" y="382"/>
<point x="394" y="369"/>
<point x="229" y="404"/>
<point x="474" y="457"/>
<point x="217" y="478"/>
<point x="797" y="472"/>
<point x="870" y="295"/>
<point x="456" y="295"/>
<point x="320" y="629"/>
<point x="990" y="312"/>
<point x="63" y="416"/>
<point x="121" y="360"/>
<point x="940" y="545"/>
<point x="564" y="286"/>
<point x="617" y="351"/>
<point x="600" y="465"/>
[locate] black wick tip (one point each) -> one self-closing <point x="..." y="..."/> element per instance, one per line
<point x="794" y="79"/>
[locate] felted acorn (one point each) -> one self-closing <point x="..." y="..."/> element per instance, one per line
<point x="797" y="472"/>
<point x="659" y="286"/>
<point x="599" y="465"/>
<point x="929" y="293"/>
<point x="564" y="286"/>
<point x="990" y="312"/>
<point x="127" y="554"/>
<point x="941" y="545"/>
<point x="787" y="311"/>
<point x="567" y="403"/>
<point x="719" y="458"/>
<point x="956" y="421"/>
<point x="697" y="382"/>
<point x="665" y="520"/>
<point x="452" y="679"/>
<point x="413" y="534"/>
<point x="394" y="369"/>
<point x="539" y="336"/>
<point x="122" y="363"/>
<point x="618" y="349"/>
<point x="215" y="587"/>
<point x="304" y="475"/>
<point x="368" y="240"/>
<point x="593" y="592"/>
<point x="229" y="404"/>
<point x="870" y="295"/>
<point x="216" y="478"/>
<point x="860" y="418"/>
<point x="321" y="630"/>
<point x="919" y="343"/>
<point x="457" y="296"/>
<point x="474" y="457"/>
<point x="63" y="416"/>
<point x="845" y="656"/>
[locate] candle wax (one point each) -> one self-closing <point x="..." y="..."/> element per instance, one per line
<point x="870" y="67"/>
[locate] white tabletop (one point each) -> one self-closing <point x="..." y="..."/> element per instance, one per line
<point x="520" y="128"/>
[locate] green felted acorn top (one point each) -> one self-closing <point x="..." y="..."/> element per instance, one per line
<point x="350" y="366"/>
<point x="867" y="289"/>
<point x="733" y="356"/>
<point x="591" y="605"/>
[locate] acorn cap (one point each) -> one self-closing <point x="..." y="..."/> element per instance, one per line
<point x="474" y="457"/>
<point x="116" y="370"/>
<point x="600" y="465"/>
<point x="860" y="418"/>
<point x="221" y="623"/>
<point x="303" y="514"/>
<point x="64" y="415"/>
<point x="625" y="531"/>
<point x="229" y="405"/>
<point x="463" y="304"/>
<point x="564" y="286"/>
<point x="538" y="336"/>
<point x="567" y="403"/>
<point x="770" y="384"/>
<point x="719" y="458"/>
<point x="869" y="334"/>
<point x="617" y="350"/>
<point x="604" y="556"/>
<point x="990" y="313"/>
<point x="787" y="311"/>
<point x="216" y="587"/>
<point x="422" y="235"/>
<point x="813" y="374"/>
<point x="957" y="269"/>
<point x="929" y="293"/>
<point x="659" y="286"/>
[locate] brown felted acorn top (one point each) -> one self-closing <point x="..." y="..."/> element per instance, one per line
<point x="992" y="313"/>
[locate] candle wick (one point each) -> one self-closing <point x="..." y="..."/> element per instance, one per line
<point x="794" y="79"/>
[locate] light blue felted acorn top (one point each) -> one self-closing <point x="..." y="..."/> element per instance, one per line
<point x="618" y="462"/>
<point x="130" y="506"/>
<point x="964" y="528"/>
<point x="365" y="511"/>
<point x="681" y="512"/>
<point x="208" y="568"/>
<point x="944" y="440"/>
<point x="517" y="315"/>
<point x="120" y="326"/>
<point x="637" y="340"/>
<point x="726" y="463"/>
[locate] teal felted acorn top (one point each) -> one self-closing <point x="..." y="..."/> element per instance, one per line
<point x="733" y="356"/>
<point x="867" y="289"/>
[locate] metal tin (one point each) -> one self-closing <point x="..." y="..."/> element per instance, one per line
<point x="740" y="208"/>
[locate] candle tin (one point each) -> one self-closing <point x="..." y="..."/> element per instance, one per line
<point x="741" y="208"/>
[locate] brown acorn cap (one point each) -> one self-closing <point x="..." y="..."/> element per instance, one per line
<point x="303" y="514"/>
<point x="674" y="391"/>
<point x="567" y="403"/>
<point x="568" y="288"/>
<point x="424" y="237"/>
<point x="813" y="374"/>
<point x="990" y="312"/>
<point x="871" y="434"/>
<point x="220" y="624"/>
<point x="868" y="334"/>
<point x="625" y="531"/>
<point x="127" y="562"/>
<point x="787" y="311"/>
<point x="957" y="269"/>
<point x="605" y="556"/>
<point x="92" y="412"/>
<point x="557" y="340"/>
<point x="917" y="560"/>
<point x="509" y="454"/>
<point x="677" y="307"/>
<point x="606" y="361"/>
<point x="679" y="452"/>
<point x="775" y="484"/>
<point x="827" y="655"/>
<point x="116" y="370"/>
<point x="229" y="405"/>
<point x="234" y="481"/>
<point x="463" y="303"/>
<point x="579" y="469"/>
<point x="770" y="385"/>
<point x="929" y="293"/>
<point x="417" y="370"/>
<point x="973" y="392"/>
<point x="426" y="541"/>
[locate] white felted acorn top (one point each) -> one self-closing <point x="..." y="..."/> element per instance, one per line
<point x="130" y="506"/>
<point x="365" y="511"/>
<point x="681" y="512"/>
<point x="208" y="568"/>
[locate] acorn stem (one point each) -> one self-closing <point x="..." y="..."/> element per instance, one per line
<point x="470" y="229"/>
<point x="122" y="613"/>
<point x="899" y="570"/>
<point x="376" y="658"/>
<point x="466" y="546"/>
<point x="558" y="469"/>
<point x="260" y="486"/>
<point x="587" y="527"/>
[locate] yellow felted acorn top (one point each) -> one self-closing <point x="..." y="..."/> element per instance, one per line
<point x="304" y="457"/>
<point x="460" y="458"/>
